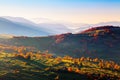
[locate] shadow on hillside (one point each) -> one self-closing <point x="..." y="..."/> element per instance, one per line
<point x="62" y="75"/>
<point x="37" y="72"/>
<point x="33" y="63"/>
<point x="28" y="75"/>
<point x="66" y="75"/>
<point x="25" y="75"/>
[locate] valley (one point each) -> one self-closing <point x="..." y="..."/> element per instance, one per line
<point x="91" y="54"/>
<point x="23" y="64"/>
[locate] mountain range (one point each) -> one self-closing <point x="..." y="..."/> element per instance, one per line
<point x="76" y="40"/>
<point x="19" y="29"/>
<point x="97" y="42"/>
<point x="23" y="27"/>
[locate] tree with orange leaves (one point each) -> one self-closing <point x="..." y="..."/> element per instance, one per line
<point x="69" y="69"/>
<point x="116" y="66"/>
<point x="77" y="70"/>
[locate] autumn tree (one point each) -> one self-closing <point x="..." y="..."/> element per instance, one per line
<point x="77" y="70"/>
<point x="82" y="59"/>
<point x="116" y="67"/>
<point x="96" y="60"/>
<point x="101" y="64"/>
<point x="69" y="69"/>
<point x="29" y="55"/>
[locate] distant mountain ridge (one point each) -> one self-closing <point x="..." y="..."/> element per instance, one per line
<point x="44" y="29"/>
<point x="18" y="19"/>
<point x="22" y="27"/>
<point x="9" y="27"/>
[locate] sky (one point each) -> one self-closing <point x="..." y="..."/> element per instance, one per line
<point x="74" y="11"/>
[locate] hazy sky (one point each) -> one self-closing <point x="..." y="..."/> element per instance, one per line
<point x="76" y="11"/>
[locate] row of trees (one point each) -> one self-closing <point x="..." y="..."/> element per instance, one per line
<point x="69" y="64"/>
<point x="75" y="61"/>
<point x="99" y="62"/>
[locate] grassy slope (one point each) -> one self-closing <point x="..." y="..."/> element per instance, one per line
<point x="105" y="47"/>
<point x="16" y="68"/>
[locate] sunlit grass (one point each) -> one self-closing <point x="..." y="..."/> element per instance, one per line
<point x="45" y="68"/>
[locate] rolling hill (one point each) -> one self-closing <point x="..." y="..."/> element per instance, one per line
<point x="43" y="66"/>
<point x="101" y="42"/>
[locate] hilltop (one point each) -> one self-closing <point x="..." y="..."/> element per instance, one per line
<point x="101" y="42"/>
